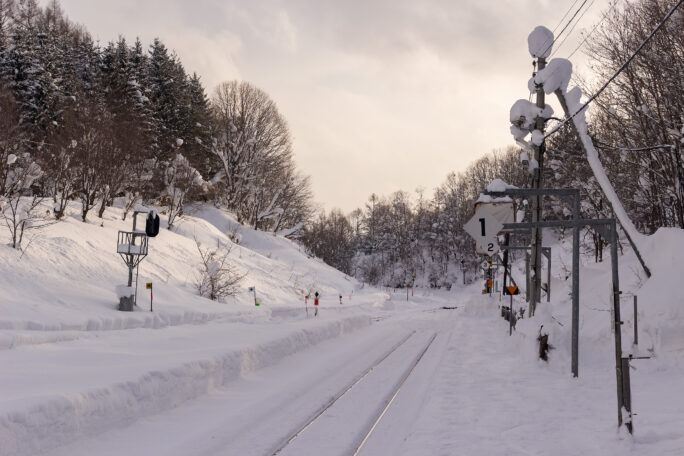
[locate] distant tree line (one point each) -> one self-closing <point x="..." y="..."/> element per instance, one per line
<point x="392" y="238"/>
<point x="82" y="121"/>
<point x="637" y="125"/>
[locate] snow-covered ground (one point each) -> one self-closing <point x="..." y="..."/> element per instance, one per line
<point x="197" y="377"/>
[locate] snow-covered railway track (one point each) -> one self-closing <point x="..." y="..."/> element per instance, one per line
<point x="345" y="422"/>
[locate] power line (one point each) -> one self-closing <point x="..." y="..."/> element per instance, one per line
<point x="612" y="6"/>
<point x="620" y="70"/>
<point x="605" y="15"/>
<point x="566" y="26"/>
<point x="572" y="28"/>
<point x="563" y="18"/>
<point x="602" y="145"/>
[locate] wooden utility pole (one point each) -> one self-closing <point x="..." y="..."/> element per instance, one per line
<point x="537" y="182"/>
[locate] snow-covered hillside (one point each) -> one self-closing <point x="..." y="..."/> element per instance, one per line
<point x="66" y="277"/>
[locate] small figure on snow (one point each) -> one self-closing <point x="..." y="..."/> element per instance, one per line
<point x="316" y="304"/>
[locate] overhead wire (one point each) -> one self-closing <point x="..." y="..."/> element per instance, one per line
<point x="564" y="16"/>
<point x="566" y="26"/>
<point x="605" y="15"/>
<point x="579" y="19"/>
<point x="620" y="70"/>
<point x="612" y="6"/>
<point x="561" y="32"/>
<point x="571" y="29"/>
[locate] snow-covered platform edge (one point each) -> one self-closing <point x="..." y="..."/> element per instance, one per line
<point x="63" y="419"/>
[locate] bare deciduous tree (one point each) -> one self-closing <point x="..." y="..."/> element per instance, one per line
<point x="180" y="178"/>
<point x="638" y="118"/>
<point x="18" y="172"/>
<point x="21" y="213"/>
<point x="252" y="144"/>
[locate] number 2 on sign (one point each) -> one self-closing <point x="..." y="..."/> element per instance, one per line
<point x="482" y="226"/>
<point x="490" y="247"/>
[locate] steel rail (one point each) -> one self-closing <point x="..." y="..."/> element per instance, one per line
<point x="341" y="393"/>
<point x="396" y="392"/>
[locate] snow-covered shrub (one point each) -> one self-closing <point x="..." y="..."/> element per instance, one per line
<point x="234" y="233"/>
<point x="217" y="278"/>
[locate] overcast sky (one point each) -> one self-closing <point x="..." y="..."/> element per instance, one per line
<point x="380" y="95"/>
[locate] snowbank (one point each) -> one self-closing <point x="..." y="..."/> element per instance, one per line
<point x="62" y="418"/>
<point x="660" y="302"/>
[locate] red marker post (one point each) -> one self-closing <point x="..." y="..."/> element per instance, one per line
<point x="316" y="304"/>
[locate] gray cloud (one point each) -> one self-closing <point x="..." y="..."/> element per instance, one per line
<point x="380" y="95"/>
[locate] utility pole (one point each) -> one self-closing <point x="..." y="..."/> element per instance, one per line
<point x="537" y="182"/>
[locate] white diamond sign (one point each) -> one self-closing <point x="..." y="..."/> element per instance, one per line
<point x="483" y="227"/>
<point x="490" y="247"/>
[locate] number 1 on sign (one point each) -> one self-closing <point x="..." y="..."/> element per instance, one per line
<point x="482" y="225"/>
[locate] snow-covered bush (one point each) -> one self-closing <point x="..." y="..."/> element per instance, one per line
<point x="217" y="278"/>
<point x="234" y="233"/>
